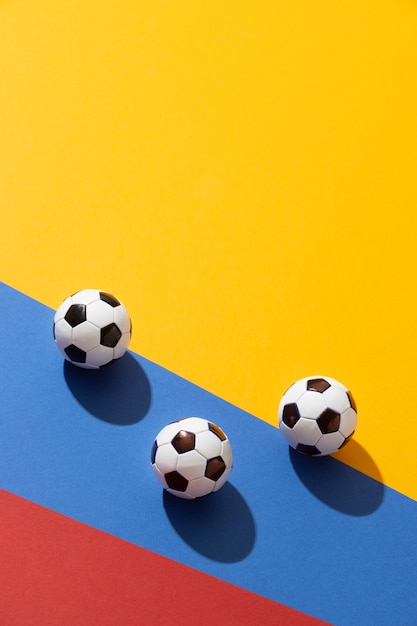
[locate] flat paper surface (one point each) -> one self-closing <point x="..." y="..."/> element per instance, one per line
<point x="305" y="532"/>
<point x="242" y="178"/>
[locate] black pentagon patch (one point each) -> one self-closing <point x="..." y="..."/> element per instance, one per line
<point x="107" y="297"/>
<point x="76" y="314"/>
<point x="217" y="431"/>
<point x="176" y="481"/>
<point x="215" y="468"/>
<point x="183" y="441"/>
<point x="75" y="354"/>
<point x="290" y="415"/>
<point x="329" y="421"/>
<point x="153" y="451"/>
<point x="310" y="450"/>
<point x="110" y="335"/>
<point x="318" y="384"/>
<point x="352" y="401"/>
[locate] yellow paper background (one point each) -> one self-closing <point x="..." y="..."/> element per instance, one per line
<point x="242" y="176"/>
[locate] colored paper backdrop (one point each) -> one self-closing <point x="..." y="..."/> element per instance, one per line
<point x="242" y="177"/>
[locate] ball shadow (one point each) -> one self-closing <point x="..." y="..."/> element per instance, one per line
<point x="219" y="526"/>
<point x="338" y="485"/>
<point x="119" y="394"/>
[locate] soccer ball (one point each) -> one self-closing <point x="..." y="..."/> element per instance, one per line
<point x="92" y="329"/>
<point x="317" y="415"/>
<point x="191" y="457"/>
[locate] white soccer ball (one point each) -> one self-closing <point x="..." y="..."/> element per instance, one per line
<point x="192" y="457"/>
<point x="317" y="415"/>
<point x="92" y="329"/>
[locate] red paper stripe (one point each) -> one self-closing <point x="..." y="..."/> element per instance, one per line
<point x="57" y="572"/>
